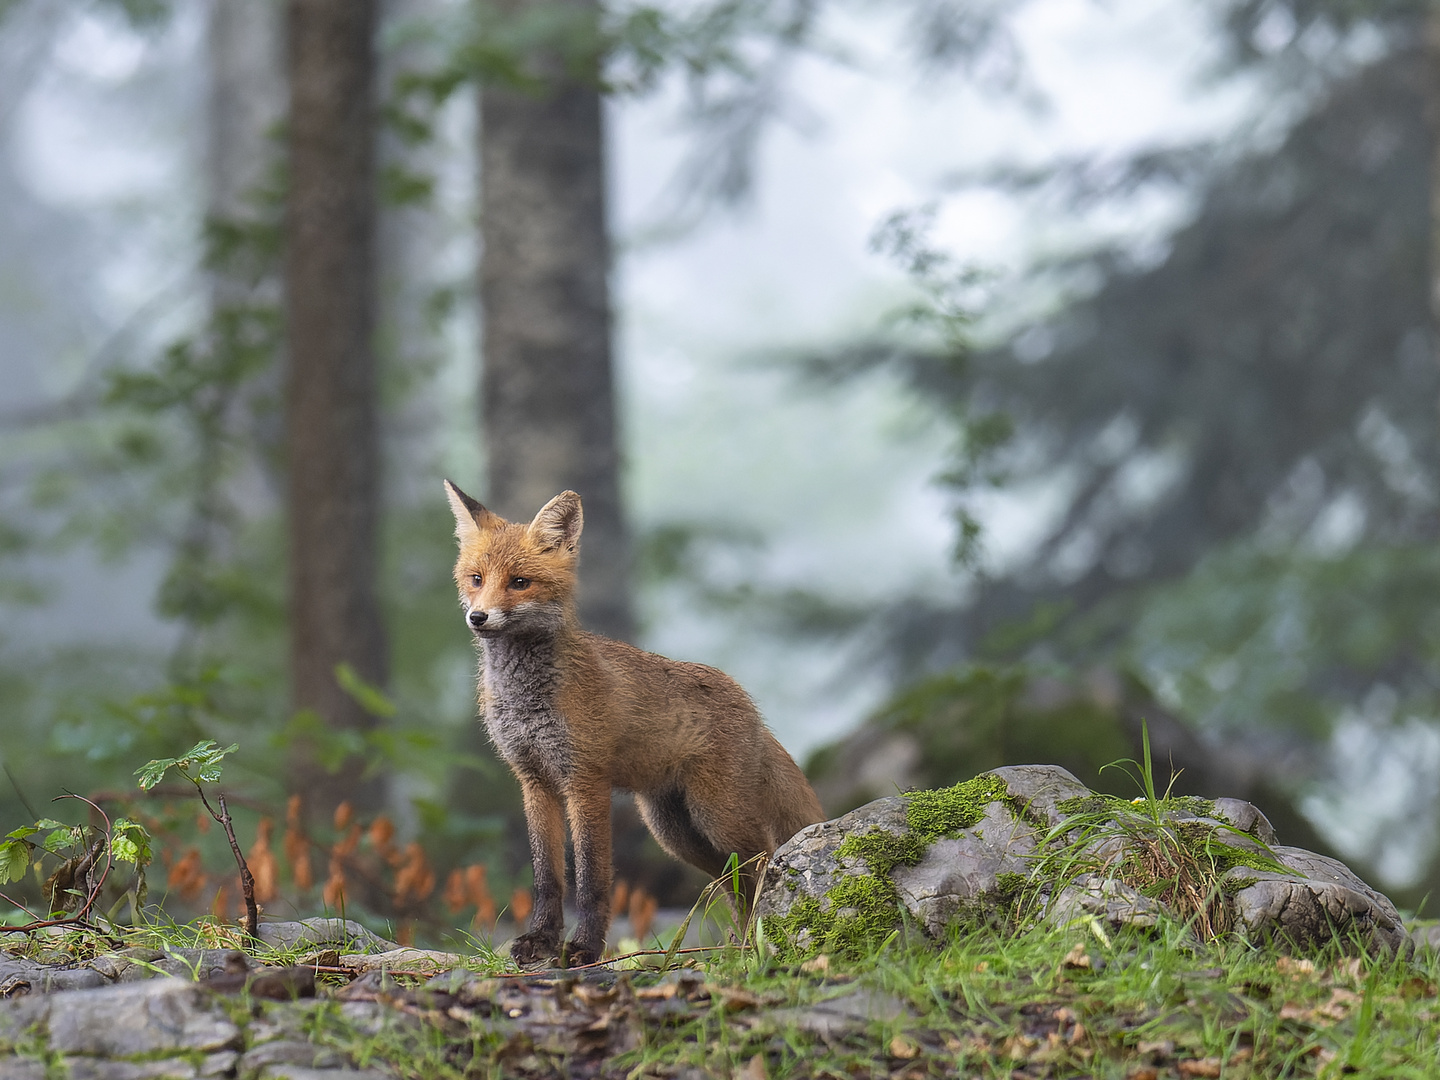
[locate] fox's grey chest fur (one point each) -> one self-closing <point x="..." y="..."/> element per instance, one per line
<point x="520" y="681"/>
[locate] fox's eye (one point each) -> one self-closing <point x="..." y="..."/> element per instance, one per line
<point x="520" y="583"/>
<point x="475" y="581"/>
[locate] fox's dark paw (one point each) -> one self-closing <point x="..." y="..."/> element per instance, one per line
<point x="536" y="947"/>
<point x="579" y="953"/>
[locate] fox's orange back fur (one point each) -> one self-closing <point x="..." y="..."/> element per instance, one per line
<point x="575" y="714"/>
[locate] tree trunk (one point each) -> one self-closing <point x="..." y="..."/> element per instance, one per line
<point x="1431" y="41"/>
<point x="331" y="419"/>
<point x="246" y="98"/>
<point x="548" y="388"/>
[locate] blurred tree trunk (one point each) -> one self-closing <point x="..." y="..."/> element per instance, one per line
<point x="548" y="409"/>
<point x="246" y="99"/>
<point x="1432" y="122"/>
<point x="332" y="427"/>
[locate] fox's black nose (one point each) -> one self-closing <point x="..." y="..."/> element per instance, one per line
<point x="477" y="619"/>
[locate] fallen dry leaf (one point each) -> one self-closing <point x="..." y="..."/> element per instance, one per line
<point x="818" y="965"/>
<point x="1076" y="958"/>
<point x="1018" y="1047"/>
<point x="1205" y="1067"/>
<point x="903" y="1048"/>
<point x="1296" y="969"/>
<point x="1145" y="1072"/>
<point x="1339" y="1005"/>
<point x="754" y="1069"/>
<point x="596" y="996"/>
<point x="734" y="998"/>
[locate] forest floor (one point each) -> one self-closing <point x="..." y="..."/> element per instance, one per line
<point x="1041" y="1003"/>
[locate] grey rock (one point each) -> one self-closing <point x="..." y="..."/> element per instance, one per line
<point x="221" y="1063"/>
<point x="19" y="1068"/>
<point x="345" y="934"/>
<point x="807" y="865"/>
<point x="22" y="1019"/>
<point x="82" y="978"/>
<point x="373" y="1018"/>
<point x="1321" y="900"/>
<point x="958" y="874"/>
<point x="401" y="958"/>
<point x="19" y="976"/>
<point x="1093" y="896"/>
<point x="131" y="965"/>
<point x="110" y="965"/>
<point x="195" y="964"/>
<point x="1247" y="818"/>
<point x="88" y="1068"/>
<point x="1041" y="788"/>
<point x="289" y="1052"/>
<point x="159" y="1016"/>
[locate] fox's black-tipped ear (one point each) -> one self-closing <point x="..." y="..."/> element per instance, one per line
<point x="559" y="522"/>
<point x="470" y="516"/>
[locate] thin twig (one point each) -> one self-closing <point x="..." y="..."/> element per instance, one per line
<point x="247" y="879"/>
<point x="18" y="904"/>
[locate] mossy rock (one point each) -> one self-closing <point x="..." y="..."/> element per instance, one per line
<point x="1031" y="841"/>
<point x="925" y="858"/>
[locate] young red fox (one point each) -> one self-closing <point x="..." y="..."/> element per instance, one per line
<point x="575" y="715"/>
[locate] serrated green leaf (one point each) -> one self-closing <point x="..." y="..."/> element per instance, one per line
<point x="22" y="832"/>
<point x="130" y="842"/>
<point x="50" y="823"/>
<point x="200" y="763"/>
<point x="153" y="772"/>
<point x="14" y="859"/>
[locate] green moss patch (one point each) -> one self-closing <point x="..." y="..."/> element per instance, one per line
<point x="862" y="910"/>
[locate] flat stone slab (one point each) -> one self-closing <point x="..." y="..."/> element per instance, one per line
<point x="164" y="1015"/>
<point x="345" y="935"/>
<point x="425" y="961"/>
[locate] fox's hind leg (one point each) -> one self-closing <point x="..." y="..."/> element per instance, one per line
<point x="679" y="827"/>
<point x="667" y="815"/>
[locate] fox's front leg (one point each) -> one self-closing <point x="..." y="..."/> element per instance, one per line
<point x="589" y="809"/>
<point x="546" y="822"/>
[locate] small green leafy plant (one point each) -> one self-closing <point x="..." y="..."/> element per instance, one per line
<point x="85" y="857"/>
<point x="201" y="765"/>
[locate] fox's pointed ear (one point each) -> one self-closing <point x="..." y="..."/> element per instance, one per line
<point x="470" y="517"/>
<point x="558" y="524"/>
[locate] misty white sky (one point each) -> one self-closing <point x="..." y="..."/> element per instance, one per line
<point x="842" y="485"/>
<point x="839" y="483"/>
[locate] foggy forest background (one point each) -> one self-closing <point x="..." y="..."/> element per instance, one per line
<point x="974" y="381"/>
